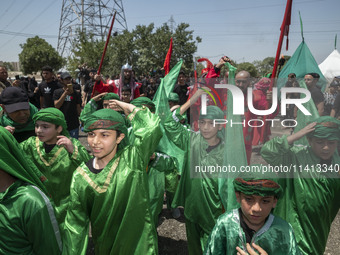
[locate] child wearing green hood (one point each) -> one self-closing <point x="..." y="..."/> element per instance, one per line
<point x="312" y="187"/>
<point x="56" y="155"/>
<point x="253" y="226"/>
<point x="110" y="191"/>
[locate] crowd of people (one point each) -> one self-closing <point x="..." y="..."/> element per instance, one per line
<point x="54" y="192"/>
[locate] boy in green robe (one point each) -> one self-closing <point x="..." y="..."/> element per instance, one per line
<point x="27" y="221"/>
<point x="111" y="189"/>
<point x="252" y="226"/>
<point x="56" y="155"/>
<point x="199" y="195"/>
<point x="312" y="189"/>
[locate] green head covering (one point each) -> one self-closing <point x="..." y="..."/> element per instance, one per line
<point x="140" y="101"/>
<point x="110" y="96"/>
<point x="14" y="161"/>
<point x="258" y="186"/>
<point x="326" y="128"/>
<point x="107" y="119"/>
<point x="54" y="116"/>
<point x="213" y="112"/>
<point x="173" y="97"/>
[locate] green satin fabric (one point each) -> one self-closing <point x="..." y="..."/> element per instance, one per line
<point x="162" y="176"/>
<point x="58" y="166"/>
<point x="276" y="236"/>
<point x="27" y="222"/>
<point x="116" y="200"/>
<point x="308" y="204"/>
<point x="199" y="196"/>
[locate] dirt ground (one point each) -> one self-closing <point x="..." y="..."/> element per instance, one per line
<point x="171" y="232"/>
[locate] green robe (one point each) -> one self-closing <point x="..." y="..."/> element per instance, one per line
<point x="58" y="166"/>
<point x="27" y="222"/>
<point x="276" y="236"/>
<point x="116" y="200"/>
<point x="199" y="196"/>
<point x="309" y="204"/>
<point x="162" y="176"/>
<point x="89" y="108"/>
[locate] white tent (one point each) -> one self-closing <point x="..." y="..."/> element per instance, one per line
<point x="330" y="67"/>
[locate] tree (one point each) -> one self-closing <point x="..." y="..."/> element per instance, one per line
<point x="36" y="53"/>
<point x="8" y="66"/>
<point x="265" y="66"/>
<point x="246" y="66"/>
<point x="144" y="48"/>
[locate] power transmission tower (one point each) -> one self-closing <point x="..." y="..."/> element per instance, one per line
<point x="90" y="17"/>
<point x="172" y="24"/>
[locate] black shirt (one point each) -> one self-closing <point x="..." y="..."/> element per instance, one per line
<point x="46" y="90"/>
<point x="248" y="232"/>
<point x="89" y="164"/>
<point x="88" y="89"/>
<point x="182" y="92"/>
<point x="317" y="95"/>
<point x="69" y="108"/>
<point x="336" y="106"/>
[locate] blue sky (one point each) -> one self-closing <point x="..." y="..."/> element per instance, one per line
<point x="244" y="30"/>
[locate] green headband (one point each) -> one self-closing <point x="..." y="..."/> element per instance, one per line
<point x="326" y="128"/>
<point x="107" y="119"/>
<point x="140" y="101"/>
<point x="257" y="186"/>
<point x="54" y="116"/>
<point x="110" y="96"/>
<point x="213" y="112"/>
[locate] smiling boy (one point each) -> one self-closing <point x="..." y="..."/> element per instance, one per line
<point x="311" y="199"/>
<point x="111" y="190"/>
<point x="56" y="155"/>
<point x="252" y="226"/>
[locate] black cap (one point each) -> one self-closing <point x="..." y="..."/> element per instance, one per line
<point x="314" y="75"/>
<point x="65" y="75"/>
<point x="14" y="99"/>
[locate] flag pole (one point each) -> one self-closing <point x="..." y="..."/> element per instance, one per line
<point x="284" y="31"/>
<point x="104" y="52"/>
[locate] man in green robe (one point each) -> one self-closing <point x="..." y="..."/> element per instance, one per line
<point x="199" y="195"/>
<point x="56" y="155"/>
<point x="111" y="190"/>
<point x="312" y="189"/>
<point x="27" y="221"/>
<point x="252" y="226"/>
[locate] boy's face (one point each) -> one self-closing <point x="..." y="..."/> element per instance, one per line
<point x="255" y="209"/>
<point x="103" y="143"/>
<point x="207" y="128"/>
<point x="47" y="132"/>
<point x="323" y="148"/>
<point x="126" y="95"/>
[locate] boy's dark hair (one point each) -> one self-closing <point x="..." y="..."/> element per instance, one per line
<point x="314" y="75"/>
<point x="47" y="69"/>
<point x="181" y="72"/>
<point x="126" y="88"/>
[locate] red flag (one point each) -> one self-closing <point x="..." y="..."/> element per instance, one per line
<point x="167" y="59"/>
<point x="284" y="32"/>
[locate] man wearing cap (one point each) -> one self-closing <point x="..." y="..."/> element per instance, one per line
<point x="68" y="101"/>
<point x="312" y="188"/>
<point x="27" y="221"/>
<point x="253" y="226"/>
<point x="127" y="81"/>
<point x="18" y="113"/>
<point x="47" y="87"/>
<point x="311" y="79"/>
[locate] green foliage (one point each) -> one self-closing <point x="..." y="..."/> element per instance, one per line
<point x="36" y="53"/>
<point x="145" y="48"/>
<point x="246" y="66"/>
<point x="265" y="66"/>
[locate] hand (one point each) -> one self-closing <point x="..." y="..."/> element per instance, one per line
<point x="99" y="97"/>
<point x="16" y="83"/>
<point x="251" y="251"/>
<point x="222" y="61"/>
<point x="66" y="142"/>
<point x="153" y="156"/>
<point x="121" y="106"/>
<point x="10" y="129"/>
<point x="69" y="91"/>
<point x="97" y="77"/>
<point x="302" y="132"/>
<point x="36" y="90"/>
